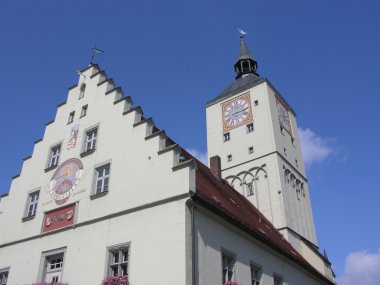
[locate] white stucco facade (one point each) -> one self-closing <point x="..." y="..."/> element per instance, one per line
<point x="276" y="156"/>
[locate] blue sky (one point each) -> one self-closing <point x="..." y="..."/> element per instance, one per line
<point x="174" y="56"/>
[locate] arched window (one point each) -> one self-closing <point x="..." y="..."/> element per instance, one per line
<point x="82" y="90"/>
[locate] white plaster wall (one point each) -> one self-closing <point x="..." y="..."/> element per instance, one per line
<point x="283" y="208"/>
<point x="261" y="138"/>
<point x="157" y="237"/>
<point x="214" y="235"/>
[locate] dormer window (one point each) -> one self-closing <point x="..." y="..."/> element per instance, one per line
<point x="82" y="90"/>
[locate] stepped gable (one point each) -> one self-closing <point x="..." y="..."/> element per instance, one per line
<point x="220" y="197"/>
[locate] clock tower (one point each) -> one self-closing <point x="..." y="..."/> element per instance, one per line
<point x="253" y="130"/>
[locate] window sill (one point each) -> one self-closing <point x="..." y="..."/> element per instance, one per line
<point x="51" y="168"/>
<point x="98" y="195"/>
<point x="25" y="219"/>
<point x="87" y="152"/>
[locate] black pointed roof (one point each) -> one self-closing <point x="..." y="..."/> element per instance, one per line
<point x="244" y="52"/>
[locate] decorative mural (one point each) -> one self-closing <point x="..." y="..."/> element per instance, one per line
<point x="72" y="137"/>
<point x="65" y="179"/>
<point x="60" y="218"/>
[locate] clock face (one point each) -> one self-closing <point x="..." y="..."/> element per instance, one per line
<point x="236" y="112"/>
<point x="283" y="117"/>
<point x="65" y="179"/>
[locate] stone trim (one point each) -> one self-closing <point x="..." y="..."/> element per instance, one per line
<point x="88" y="152"/>
<point x="143" y="121"/>
<point x="114" y="89"/>
<point x="73" y="86"/>
<point x="106" y="80"/>
<point x="183" y="164"/>
<point x="138" y="108"/>
<point x="166" y="149"/>
<point x="49" y="123"/>
<point x="154" y="134"/>
<point x="61" y="104"/>
<point x="51" y="168"/>
<point x="122" y="99"/>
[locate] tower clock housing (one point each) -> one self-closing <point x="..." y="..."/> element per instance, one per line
<point x="254" y="131"/>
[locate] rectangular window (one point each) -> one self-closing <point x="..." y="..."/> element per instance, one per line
<point x="4" y="276"/>
<point x="255" y="274"/>
<point x="249" y="189"/>
<point x="84" y="111"/>
<point x="54" y="156"/>
<point x="32" y="204"/>
<point x="229" y="157"/>
<point x="250" y="150"/>
<point x="51" y="266"/>
<point x="102" y="179"/>
<point x="228" y="263"/>
<point x="118" y="258"/>
<point x="256" y="102"/>
<point x="71" y="117"/>
<point x="250" y="128"/>
<point x="91" y="137"/>
<point x="277" y="280"/>
<point x="226" y="137"/>
<point x="82" y="90"/>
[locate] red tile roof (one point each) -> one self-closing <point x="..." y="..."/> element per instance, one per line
<point x="220" y="197"/>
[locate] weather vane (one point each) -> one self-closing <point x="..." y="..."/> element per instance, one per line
<point x="242" y="33"/>
<point x="94" y="52"/>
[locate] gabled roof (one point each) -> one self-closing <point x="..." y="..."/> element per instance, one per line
<point x="221" y="198"/>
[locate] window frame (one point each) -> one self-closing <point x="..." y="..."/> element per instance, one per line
<point x="83" y="112"/>
<point x="225" y="272"/>
<point x="119" y="248"/>
<point x="277" y="279"/>
<point x="254" y="266"/>
<point x="95" y="131"/>
<point x="71" y="117"/>
<point x="101" y="166"/>
<point x="250" y="128"/>
<point x="4" y="272"/>
<point x="82" y="91"/>
<point x="52" y="155"/>
<point x="226" y="137"/>
<point x="249" y="189"/>
<point x="27" y="216"/>
<point x="45" y="256"/>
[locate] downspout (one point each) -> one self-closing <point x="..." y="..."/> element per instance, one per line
<point x="193" y="241"/>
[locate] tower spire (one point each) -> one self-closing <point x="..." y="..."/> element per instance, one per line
<point x="245" y="63"/>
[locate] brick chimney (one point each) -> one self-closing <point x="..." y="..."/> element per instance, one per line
<point x="215" y="167"/>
